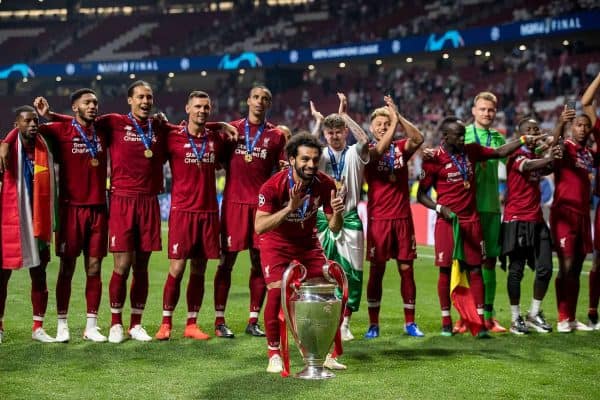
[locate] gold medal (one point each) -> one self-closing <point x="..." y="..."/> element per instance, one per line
<point x="338" y="185"/>
<point x="94" y="162"/>
<point x="148" y="153"/>
<point x="392" y="178"/>
<point x="248" y="157"/>
<point x="467" y="185"/>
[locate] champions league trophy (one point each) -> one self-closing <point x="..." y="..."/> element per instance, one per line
<point x="313" y="313"/>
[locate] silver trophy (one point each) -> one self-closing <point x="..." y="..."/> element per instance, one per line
<point x="313" y="313"/>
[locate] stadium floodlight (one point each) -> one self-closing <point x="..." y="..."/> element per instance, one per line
<point x="24" y="80"/>
<point x="478" y="52"/>
<point x="488" y="53"/>
<point x="203" y="73"/>
<point x="131" y="76"/>
<point x="342" y="65"/>
<point x="242" y="71"/>
<point x="311" y="67"/>
<point x="522" y="47"/>
<point x="171" y="74"/>
<point x="445" y="56"/>
<point x="58" y="78"/>
<point x="565" y="42"/>
<point x="409" y="59"/>
<point x="378" y="62"/>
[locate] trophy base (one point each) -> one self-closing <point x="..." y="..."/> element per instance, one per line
<point x="314" y="372"/>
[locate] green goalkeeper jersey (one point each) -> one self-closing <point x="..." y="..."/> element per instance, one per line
<point x="486" y="172"/>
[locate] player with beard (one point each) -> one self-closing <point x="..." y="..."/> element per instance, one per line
<point x="27" y="202"/>
<point x="251" y="161"/>
<point x="83" y="215"/>
<point x="450" y="170"/>
<point x="487" y="199"/>
<point x="570" y="216"/>
<point x="285" y="221"/>
<point x="137" y="148"/>
<point x="194" y="153"/>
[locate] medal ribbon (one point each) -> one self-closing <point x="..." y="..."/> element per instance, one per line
<point x="28" y="172"/>
<point x="146" y="139"/>
<point x="337" y="168"/>
<point x="461" y="165"/>
<point x="259" y="132"/>
<point x="587" y="159"/>
<point x="301" y="210"/>
<point x="200" y="154"/>
<point x="92" y="147"/>
<point x="489" y="137"/>
<point x="392" y="157"/>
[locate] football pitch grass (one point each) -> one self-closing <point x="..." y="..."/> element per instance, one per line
<point x="394" y="366"/>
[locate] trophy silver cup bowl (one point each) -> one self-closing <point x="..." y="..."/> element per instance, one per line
<point x="313" y="313"/>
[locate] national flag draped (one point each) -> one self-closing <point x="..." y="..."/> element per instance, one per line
<point x="26" y="221"/>
<point x="461" y="294"/>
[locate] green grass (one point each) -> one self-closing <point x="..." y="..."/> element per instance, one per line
<point x="391" y="367"/>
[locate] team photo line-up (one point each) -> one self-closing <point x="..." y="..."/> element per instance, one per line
<point x="288" y="197"/>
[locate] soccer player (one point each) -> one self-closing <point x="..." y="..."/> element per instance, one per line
<point x="286" y="220"/>
<point x="27" y="199"/>
<point x="487" y="199"/>
<point x="137" y="148"/>
<point x="251" y="161"/>
<point x="83" y="215"/>
<point x="194" y="153"/>
<point x="589" y="108"/>
<point x="570" y="216"/>
<point x="450" y="171"/>
<point x="390" y="231"/>
<point x="346" y="165"/>
<point x="525" y="235"/>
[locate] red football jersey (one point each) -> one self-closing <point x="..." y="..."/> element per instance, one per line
<point x="244" y="179"/>
<point x="80" y="183"/>
<point x="523" y="196"/>
<point x="572" y="176"/>
<point x="295" y="230"/>
<point x="131" y="171"/>
<point x="389" y="198"/>
<point x="194" y="188"/>
<point x="441" y="173"/>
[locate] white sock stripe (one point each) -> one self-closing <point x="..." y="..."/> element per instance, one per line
<point x="409" y="306"/>
<point x="219" y="313"/>
<point x="61" y="316"/>
<point x="373" y="304"/>
<point x="38" y="318"/>
<point x="253" y="314"/>
<point x="165" y="313"/>
<point x="273" y="347"/>
<point x="192" y="314"/>
<point x="445" y="313"/>
<point x="116" y="310"/>
<point x="137" y="311"/>
<point x="90" y="315"/>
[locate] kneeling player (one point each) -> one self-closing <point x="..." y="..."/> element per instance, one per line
<point x="286" y="220"/>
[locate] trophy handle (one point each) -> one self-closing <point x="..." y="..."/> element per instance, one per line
<point x="292" y="277"/>
<point x="334" y="273"/>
